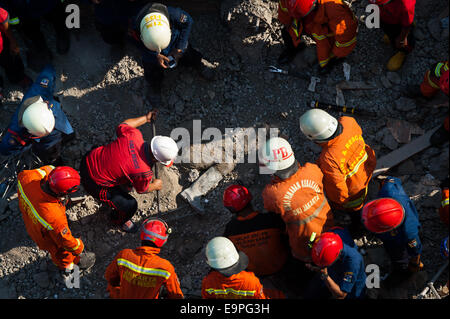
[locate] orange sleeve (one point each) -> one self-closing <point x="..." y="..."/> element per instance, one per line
<point x="63" y="237"/>
<point x="334" y="182"/>
<point x="269" y="200"/>
<point x="258" y="287"/>
<point x="343" y="25"/>
<point x="173" y="286"/>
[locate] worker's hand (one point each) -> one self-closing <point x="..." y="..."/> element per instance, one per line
<point x="151" y="116"/>
<point x="162" y="60"/>
<point x="177" y="54"/>
<point x="157" y="184"/>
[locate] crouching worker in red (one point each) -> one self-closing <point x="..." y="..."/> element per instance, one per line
<point x="42" y="201"/>
<point x="140" y="273"/>
<point x="228" y="278"/>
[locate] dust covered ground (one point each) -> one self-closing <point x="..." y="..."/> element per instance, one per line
<point x="100" y="87"/>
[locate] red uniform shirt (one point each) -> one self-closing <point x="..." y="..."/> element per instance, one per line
<point x="398" y="12"/>
<point x="123" y="161"/>
<point x="4" y="17"/>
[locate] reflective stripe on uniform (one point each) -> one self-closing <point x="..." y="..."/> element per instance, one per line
<point x="295" y="27"/>
<point x="310" y="217"/>
<point x="444" y="202"/>
<point x="356" y="168"/>
<point x="39" y="218"/>
<point x="345" y="44"/>
<point x="358" y="201"/>
<point x="142" y="270"/>
<point x="231" y="290"/>
<point x="438" y="71"/>
<point x="281" y="7"/>
<point x="76" y="247"/>
<point x="324" y="62"/>
<point x="14" y="21"/>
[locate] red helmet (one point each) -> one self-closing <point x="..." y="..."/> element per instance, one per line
<point x="156" y="231"/>
<point x="326" y="249"/>
<point x="301" y="7"/>
<point x="380" y="2"/>
<point x="64" y="180"/>
<point x="382" y="215"/>
<point x="443" y="82"/>
<point x="236" y="197"/>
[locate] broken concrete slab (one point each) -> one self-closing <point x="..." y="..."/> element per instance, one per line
<point x="402" y="130"/>
<point x="206" y="182"/>
<point x="354" y="85"/>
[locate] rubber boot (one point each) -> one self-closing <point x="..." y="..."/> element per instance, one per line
<point x="289" y="53"/>
<point x="396" y="61"/>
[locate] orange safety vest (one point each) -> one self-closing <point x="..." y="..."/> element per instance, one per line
<point x="294" y="26"/>
<point x="140" y="274"/>
<point x="347" y="163"/>
<point x="45" y="218"/>
<point x="302" y="204"/>
<point x="333" y="26"/>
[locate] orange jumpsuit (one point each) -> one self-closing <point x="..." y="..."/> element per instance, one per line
<point x="244" y="285"/>
<point x="347" y="163"/>
<point x="140" y="274"/>
<point x="45" y="219"/>
<point x="332" y="25"/>
<point x="443" y="210"/>
<point x="430" y="86"/>
<point x="301" y="202"/>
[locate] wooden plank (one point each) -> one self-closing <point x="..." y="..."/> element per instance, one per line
<point x="394" y="158"/>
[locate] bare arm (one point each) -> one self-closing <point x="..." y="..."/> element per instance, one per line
<point x="141" y="120"/>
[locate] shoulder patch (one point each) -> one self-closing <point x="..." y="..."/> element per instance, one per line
<point x="64" y="231"/>
<point x="412" y="243"/>
<point x="183" y="18"/>
<point x="348" y="276"/>
<point x="44" y="83"/>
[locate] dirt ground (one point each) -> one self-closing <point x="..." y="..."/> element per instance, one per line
<point x="100" y="87"/>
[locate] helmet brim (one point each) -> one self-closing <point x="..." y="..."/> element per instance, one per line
<point x="239" y="266"/>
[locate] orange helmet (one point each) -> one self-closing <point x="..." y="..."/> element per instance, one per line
<point x="443" y="82"/>
<point x="382" y="215"/>
<point x="155" y="230"/>
<point x="64" y="180"/>
<point x="236" y="197"/>
<point x="301" y="7"/>
<point x="326" y="249"/>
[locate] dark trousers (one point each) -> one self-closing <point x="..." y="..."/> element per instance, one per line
<point x="393" y="31"/>
<point x="12" y="63"/>
<point x="32" y="29"/>
<point x="154" y="73"/>
<point x="123" y="205"/>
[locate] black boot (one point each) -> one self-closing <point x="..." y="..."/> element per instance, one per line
<point x="289" y="53"/>
<point x="439" y="137"/>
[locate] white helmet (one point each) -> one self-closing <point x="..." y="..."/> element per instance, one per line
<point x="37" y="118"/>
<point x="277" y="154"/>
<point x="318" y="125"/>
<point x="164" y="149"/>
<point x="155" y="31"/>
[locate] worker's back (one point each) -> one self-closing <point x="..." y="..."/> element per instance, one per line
<point x="140" y="274"/>
<point x="260" y="237"/>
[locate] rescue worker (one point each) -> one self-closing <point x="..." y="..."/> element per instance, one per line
<point x="27" y="16"/>
<point x="393" y="218"/>
<point x="397" y="22"/>
<point x="140" y="273"/>
<point x="110" y="181"/>
<point x="296" y="193"/>
<point x="228" y="278"/>
<point x="39" y="120"/>
<point x="331" y="23"/>
<point x="257" y="235"/>
<point x="346" y="161"/>
<point x="10" y="58"/>
<point x="113" y="18"/>
<point x="339" y="266"/>
<point x="162" y="33"/>
<point x="43" y="196"/>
